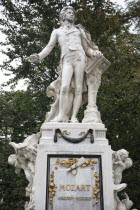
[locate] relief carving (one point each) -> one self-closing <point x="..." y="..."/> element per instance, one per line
<point x="24" y="158"/>
<point x="121" y="161"/>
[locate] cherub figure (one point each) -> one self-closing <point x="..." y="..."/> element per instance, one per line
<point x="120" y="163"/>
<point x="20" y="163"/>
<point x="25" y="159"/>
<point x="124" y="204"/>
<point x="25" y="156"/>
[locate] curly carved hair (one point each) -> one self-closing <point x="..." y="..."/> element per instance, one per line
<point x="63" y="12"/>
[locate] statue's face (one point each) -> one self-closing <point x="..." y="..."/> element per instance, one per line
<point x="12" y="159"/>
<point x="124" y="156"/>
<point x="69" y="15"/>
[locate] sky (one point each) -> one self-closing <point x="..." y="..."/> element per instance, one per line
<point x="21" y="85"/>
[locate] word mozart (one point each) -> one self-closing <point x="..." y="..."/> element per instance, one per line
<point x="74" y="187"/>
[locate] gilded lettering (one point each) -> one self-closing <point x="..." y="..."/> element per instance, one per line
<point x="62" y="187"/>
<point x="78" y="188"/>
<point x="65" y="198"/>
<point x="83" y="187"/>
<point x="83" y="198"/>
<point x="68" y="187"/>
<point x="88" y="187"/>
<point x="73" y="188"/>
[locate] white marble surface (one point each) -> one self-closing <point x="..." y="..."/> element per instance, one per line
<point x="84" y="176"/>
<point x="81" y="60"/>
<point x="48" y="147"/>
<point x="74" y="130"/>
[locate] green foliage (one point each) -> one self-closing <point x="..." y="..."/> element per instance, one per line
<point x="22" y="114"/>
<point x="12" y="186"/>
<point x="28" y="25"/>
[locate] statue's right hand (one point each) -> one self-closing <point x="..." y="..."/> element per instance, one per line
<point x="33" y="58"/>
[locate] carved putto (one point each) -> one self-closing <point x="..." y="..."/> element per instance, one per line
<point x="25" y="159"/>
<point x="124" y="204"/>
<point x="121" y="161"/>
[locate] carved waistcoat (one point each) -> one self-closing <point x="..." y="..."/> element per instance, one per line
<point x="69" y="40"/>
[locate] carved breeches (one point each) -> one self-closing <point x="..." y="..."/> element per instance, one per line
<point x="74" y="57"/>
<point x="73" y="66"/>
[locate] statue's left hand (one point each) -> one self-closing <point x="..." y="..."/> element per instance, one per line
<point x="97" y="54"/>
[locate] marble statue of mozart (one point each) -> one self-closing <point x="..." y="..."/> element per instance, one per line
<point x="78" y="53"/>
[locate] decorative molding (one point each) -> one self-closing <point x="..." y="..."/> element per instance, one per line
<point x="74" y="163"/>
<point x="96" y="189"/>
<point x="59" y="133"/>
<point x="52" y="189"/>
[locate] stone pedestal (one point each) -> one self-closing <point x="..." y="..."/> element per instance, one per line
<point x="89" y="185"/>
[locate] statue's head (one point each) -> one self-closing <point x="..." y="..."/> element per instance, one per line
<point x="128" y="203"/>
<point x="12" y="159"/>
<point x="128" y="162"/>
<point x="123" y="154"/>
<point x="67" y="13"/>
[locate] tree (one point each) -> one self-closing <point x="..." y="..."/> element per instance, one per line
<point x="22" y="114"/>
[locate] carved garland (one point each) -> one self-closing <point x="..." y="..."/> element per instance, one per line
<point x="72" y="161"/>
<point x="58" y="133"/>
<point x="52" y="189"/>
<point x="96" y="189"/>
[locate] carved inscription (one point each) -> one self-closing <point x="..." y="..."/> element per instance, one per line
<point x="74" y="187"/>
<point x="75" y="198"/>
<point x="77" y="181"/>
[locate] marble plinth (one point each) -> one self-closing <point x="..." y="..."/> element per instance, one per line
<point x="90" y="185"/>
